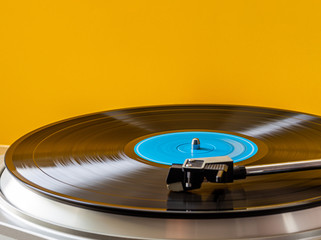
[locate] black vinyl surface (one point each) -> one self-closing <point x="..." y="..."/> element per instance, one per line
<point x="89" y="161"/>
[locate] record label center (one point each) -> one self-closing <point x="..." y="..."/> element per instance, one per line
<point x="176" y="147"/>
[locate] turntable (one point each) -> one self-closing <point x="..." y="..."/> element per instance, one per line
<point x="166" y="172"/>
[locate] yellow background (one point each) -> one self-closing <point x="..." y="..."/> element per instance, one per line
<point x="63" y="58"/>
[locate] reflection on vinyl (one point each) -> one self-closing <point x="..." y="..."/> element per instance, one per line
<point x="119" y="160"/>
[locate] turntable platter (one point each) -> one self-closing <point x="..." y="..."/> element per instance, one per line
<point x="92" y="161"/>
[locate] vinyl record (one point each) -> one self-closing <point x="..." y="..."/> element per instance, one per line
<point x="118" y="160"/>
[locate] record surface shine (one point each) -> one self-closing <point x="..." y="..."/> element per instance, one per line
<point x="91" y="160"/>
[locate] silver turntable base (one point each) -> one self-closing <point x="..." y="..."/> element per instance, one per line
<point x="25" y="214"/>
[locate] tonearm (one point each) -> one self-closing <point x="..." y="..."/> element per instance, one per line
<point x="191" y="174"/>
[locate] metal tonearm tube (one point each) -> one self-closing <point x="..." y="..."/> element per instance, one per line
<point x="191" y="174"/>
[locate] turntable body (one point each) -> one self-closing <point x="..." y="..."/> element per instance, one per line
<point x="33" y="216"/>
<point x="31" y="212"/>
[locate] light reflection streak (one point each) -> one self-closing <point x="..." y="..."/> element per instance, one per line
<point x="87" y="173"/>
<point x="275" y="127"/>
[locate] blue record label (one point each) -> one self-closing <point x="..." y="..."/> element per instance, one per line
<point x="175" y="147"/>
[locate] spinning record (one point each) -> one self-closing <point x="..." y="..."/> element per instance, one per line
<point x="118" y="161"/>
